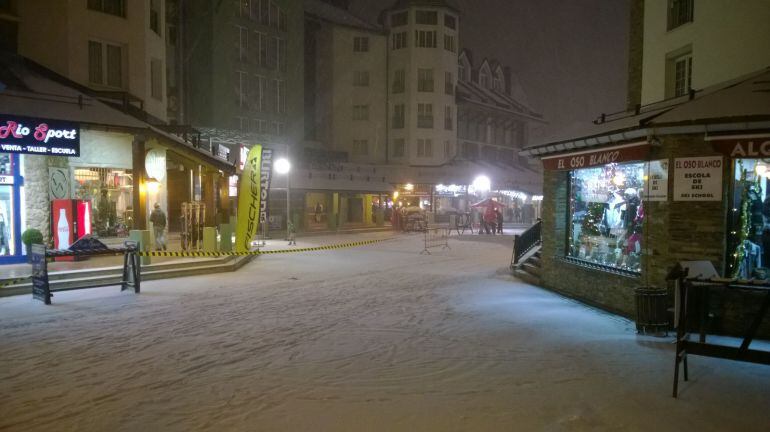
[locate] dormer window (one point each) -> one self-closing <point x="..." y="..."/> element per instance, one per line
<point x="461" y="72"/>
<point x="484" y="80"/>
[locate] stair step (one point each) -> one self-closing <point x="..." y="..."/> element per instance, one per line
<point x="531" y="269"/>
<point x="527" y="277"/>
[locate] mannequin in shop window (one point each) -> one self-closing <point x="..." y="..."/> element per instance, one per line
<point x="5" y="247"/>
<point x="105" y="211"/>
<point x="614" y="213"/>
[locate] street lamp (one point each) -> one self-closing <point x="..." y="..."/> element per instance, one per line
<point x="283" y="166"/>
<point x="482" y="184"/>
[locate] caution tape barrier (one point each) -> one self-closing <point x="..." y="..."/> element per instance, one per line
<point x="201" y="254"/>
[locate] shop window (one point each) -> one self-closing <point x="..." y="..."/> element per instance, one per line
<point x="748" y="238"/>
<point x="110" y="193"/>
<point x="606" y="215"/>
<point x="7" y="242"/>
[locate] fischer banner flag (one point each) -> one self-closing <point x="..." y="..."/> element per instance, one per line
<point x="252" y="196"/>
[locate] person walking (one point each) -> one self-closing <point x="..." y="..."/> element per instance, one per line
<point x="292" y="234"/>
<point x="490" y="220"/>
<point x="158" y="219"/>
<point x="499" y="221"/>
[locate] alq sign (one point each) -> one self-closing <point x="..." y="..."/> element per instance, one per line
<point x="588" y="159"/>
<point x="24" y="135"/>
<point x="753" y="146"/>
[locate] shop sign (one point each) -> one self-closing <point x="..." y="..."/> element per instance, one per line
<point x="656" y="181"/>
<point x="756" y="146"/>
<point x="6" y="180"/>
<point x="58" y="183"/>
<point x="588" y="159"/>
<point x="155" y="164"/>
<point x="698" y="178"/>
<point x="38" y="136"/>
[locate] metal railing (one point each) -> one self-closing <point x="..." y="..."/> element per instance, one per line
<point x="526" y="241"/>
<point x="436" y="236"/>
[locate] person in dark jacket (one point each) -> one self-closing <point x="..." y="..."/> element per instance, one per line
<point x="158" y="219"/>
<point x="499" y="221"/>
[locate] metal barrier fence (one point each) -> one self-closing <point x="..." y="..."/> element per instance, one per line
<point x="436" y="236"/>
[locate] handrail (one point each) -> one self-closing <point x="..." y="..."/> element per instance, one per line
<point x="524" y="242"/>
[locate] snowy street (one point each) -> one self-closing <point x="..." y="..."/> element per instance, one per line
<point x="375" y="338"/>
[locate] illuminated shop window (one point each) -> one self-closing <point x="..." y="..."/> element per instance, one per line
<point x="606" y="215"/>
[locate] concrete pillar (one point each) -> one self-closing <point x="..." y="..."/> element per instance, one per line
<point x="225" y="238"/>
<point x="142" y="238"/>
<point x="139" y="197"/>
<point x="209" y="239"/>
<point x="333" y="211"/>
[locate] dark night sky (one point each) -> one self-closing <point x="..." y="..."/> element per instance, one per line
<point x="570" y="55"/>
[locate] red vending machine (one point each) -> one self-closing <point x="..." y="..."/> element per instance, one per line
<point x="70" y="220"/>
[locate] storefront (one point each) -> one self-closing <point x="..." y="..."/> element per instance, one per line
<point x="624" y="204"/>
<point x="11" y="203"/>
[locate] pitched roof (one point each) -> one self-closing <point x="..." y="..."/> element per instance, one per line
<point x="741" y="100"/>
<point x="330" y="13"/>
<point x="472" y="92"/>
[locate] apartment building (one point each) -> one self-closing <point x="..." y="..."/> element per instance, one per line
<point x="114" y="47"/>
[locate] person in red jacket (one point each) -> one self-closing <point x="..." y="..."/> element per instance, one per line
<point x="490" y="220"/>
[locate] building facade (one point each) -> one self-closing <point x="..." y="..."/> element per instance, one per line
<point x="679" y="179"/>
<point x="115" y="47"/>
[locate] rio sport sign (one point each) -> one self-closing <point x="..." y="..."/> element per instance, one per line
<point x="25" y="135"/>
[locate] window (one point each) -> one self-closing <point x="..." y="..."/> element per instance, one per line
<point x="425" y="80"/>
<point x="243" y="43"/>
<point x="361" y="44"/>
<point x="425" y="39"/>
<point x="449" y="43"/>
<point x="283" y="24"/>
<point x="281" y="53"/>
<point x="399" y="81"/>
<point x="360" y="112"/>
<point x="280" y="96"/>
<point x="112" y="7"/>
<point x="679" y="12"/>
<point x="450" y="21"/>
<point x="605" y="215"/>
<point x="259" y="126"/>
<point x="682" y="75"/>
<point x="448" y="123"/>
<point x="399" y="40"/>
<point x="497" y="83"/>
<point x="279" y="128"/>
<point x="361" y="78"/>
<point x="399" y="19"/>
<point x="484" y="80"/>
<point x="461" y="72"/>
<point x="258" y="92"/>
<point x="241" y="89"/>
<point x="398" y="147"/>
<point x="274" y="14"/>
<point x="398" y="116"/>
<point x="156" y="79"/>
<point x="105" y="64"/>
<point x="262" y="47"/>
<point x="425" y="116"/>
<point x="360" y="147"/>
<point x="272" y="53"/>
<point x="449" y="84"/>
<point x="747" y="242"/>
<point x="243" y="8"/>
<point x="264" y="12"/>
<point x="155" y="16"/>
<point x="447" y="149"/>
<point x="424" y="148"/>
<point x="427" y="17"/>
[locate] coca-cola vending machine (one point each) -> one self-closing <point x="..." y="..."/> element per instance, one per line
<point x="70" y="221"/>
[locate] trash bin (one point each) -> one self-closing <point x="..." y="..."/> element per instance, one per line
<point x="651" y="310"/>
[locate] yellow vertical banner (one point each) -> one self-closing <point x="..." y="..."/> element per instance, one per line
<point x="249" y="196"/>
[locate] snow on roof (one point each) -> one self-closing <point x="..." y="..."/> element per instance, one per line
<point x="333" y="14"/>
<point x="470" y="91"/>
<point x="740" y="99"/>
<point x="35" y="95"/>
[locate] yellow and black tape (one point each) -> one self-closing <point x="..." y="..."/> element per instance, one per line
<point x="9" y="282"/>
<point x="202" y="254"/>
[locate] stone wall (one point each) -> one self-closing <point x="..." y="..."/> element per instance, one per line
<point x="674" y="231"/>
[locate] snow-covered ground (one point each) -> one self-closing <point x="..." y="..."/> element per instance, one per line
<point x="376" y="338"/>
